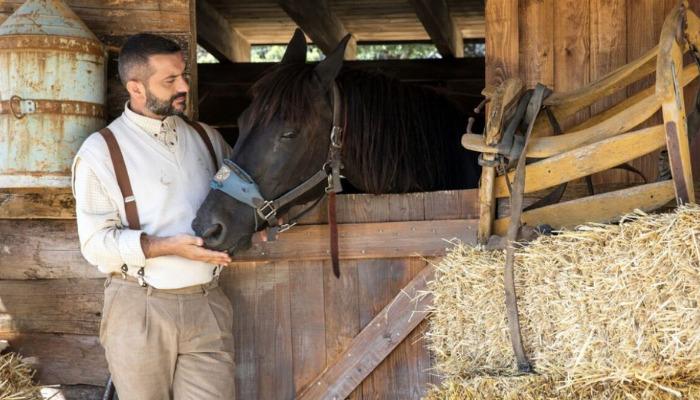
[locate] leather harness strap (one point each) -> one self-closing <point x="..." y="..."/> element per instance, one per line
<point x="205" y="138"/>
<point x="516" y="201"/>
<point x="115" y="153"/>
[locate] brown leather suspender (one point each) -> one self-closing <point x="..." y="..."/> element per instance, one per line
<point x="132" y="215"/>
<point x="203" y="134"/>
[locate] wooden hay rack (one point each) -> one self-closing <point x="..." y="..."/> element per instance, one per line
<point x="602" y="142"/>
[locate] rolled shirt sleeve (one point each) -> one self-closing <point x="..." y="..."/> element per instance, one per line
<point x="104" y="241"/>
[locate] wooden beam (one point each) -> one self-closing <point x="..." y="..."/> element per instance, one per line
<point x="320" y="24"/>
<point x="42" y="249"/>
<point x="364" y="241"/>
<point x="218" y="37"/>
<point x="376" y="341"/>
<point x="442" y="29"/>
<point x="606" y="207"/>
<point x="54" y="203"/>
<point x="586" y="160"/>
<point x="670" y="90"/>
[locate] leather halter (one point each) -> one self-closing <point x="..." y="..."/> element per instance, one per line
<point x="232" y="180"/>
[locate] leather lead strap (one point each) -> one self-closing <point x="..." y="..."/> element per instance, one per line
<point x="205" y="138"/>
<point x="132" y="215"/>
<point x="333" y="226"/>
<point x="516" y="201"/>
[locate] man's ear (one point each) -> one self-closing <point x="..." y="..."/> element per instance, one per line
<point x="136" y="89"/>
<point x="328" y="69"/>
<point x="296" y="49"/>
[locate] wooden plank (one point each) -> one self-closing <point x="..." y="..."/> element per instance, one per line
<point x="536" y="31"/>
<point x="308" y="321"/>
<point x="609" y="52"/>
<point x="42" y="249"/>
<point x="50" y="249"/>
<point x="586" y="160"/>
<point x="218" y="36"/>
<point x="451" y="205"/>
<point x="51" y="306"/>
<point x="437" y="21"/>
<point x="320" y="23"/>
<point x="605" y="207"/>
<point x="239" y="283"/>
<point x="46" y="203"/>
<point x="54" y="203"/>
<point x="571" y="51"/>
<point x="399" y="375"/>
<point x="379" y="281"/>
<point x="374" y="343"/>
<point x="341" y="297"/>
<point x="669" y="89"/>
<point x="63" y="359"/>
<point x="364" y="241"/>
<point x="502" y="59"/>
<point x="273" y="345"/>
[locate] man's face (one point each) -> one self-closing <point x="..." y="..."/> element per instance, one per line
<point x="167" y="87"/>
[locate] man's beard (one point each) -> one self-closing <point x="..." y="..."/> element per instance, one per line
<point x="163" y="108"/>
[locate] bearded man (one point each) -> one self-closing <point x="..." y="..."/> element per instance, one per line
<point x="166" y="325"/>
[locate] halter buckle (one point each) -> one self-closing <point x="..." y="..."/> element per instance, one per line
<point x="267" y="210"/>
<point x="336" y="133"/>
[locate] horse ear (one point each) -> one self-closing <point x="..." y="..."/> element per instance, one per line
<point x="329" y="68"/>
<point x="296" y="49"/>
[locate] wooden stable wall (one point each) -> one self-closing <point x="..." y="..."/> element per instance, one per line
<point x="565" y="44"/>
<point x="292" y="316"/>
<point x="113" y="21"/>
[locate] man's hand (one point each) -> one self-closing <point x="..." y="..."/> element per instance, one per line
<point x="186" y="246"/>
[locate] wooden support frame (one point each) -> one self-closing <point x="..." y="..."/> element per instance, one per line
<point x="586" y="160"/>
<point x="603" y="208"/>
<point x="604" y="142"/>
<point x="320" y="24"/>
<point x="437" y="21"/>
<point x="670" y="90"/>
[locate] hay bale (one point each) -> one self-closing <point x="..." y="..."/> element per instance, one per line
<point x="16" y="379"/>
<point x="606" y="308"/>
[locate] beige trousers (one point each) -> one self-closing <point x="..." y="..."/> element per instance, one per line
<point x="168" y="344"/>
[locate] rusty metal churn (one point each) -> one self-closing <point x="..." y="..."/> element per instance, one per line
<point x="52" y="93"/>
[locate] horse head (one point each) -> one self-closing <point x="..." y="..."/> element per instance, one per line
<point x="284" y="139"/>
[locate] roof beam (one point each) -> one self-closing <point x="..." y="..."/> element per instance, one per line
<point x="218" y="36"/>
<point x="320" y="24"/>
<point x="437" y="21"/>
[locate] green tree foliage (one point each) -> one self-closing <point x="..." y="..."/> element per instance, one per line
<point x="383" y="51"/>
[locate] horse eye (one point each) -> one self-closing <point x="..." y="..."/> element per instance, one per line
<point x="289" y="135"/>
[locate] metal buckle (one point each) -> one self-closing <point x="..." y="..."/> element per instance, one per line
<point x="335" y="137"/>
<point x="263" y="211"/>
<point x="285" y="227"/>
<point x="142" y="282"/>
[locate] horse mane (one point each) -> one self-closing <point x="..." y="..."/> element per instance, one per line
<point x="399" y="137"/>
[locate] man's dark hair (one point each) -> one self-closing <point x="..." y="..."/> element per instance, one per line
<point x="136" y="50"/>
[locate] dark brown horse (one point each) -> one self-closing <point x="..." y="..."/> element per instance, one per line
<point x="396" y="138"/>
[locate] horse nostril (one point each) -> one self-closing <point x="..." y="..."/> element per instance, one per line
<point x="211" y="231"/>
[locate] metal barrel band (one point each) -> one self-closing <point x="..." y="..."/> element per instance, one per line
<point x="20" y="107"/>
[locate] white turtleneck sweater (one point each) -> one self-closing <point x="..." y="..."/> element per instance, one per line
<point x="169" y="169"/>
